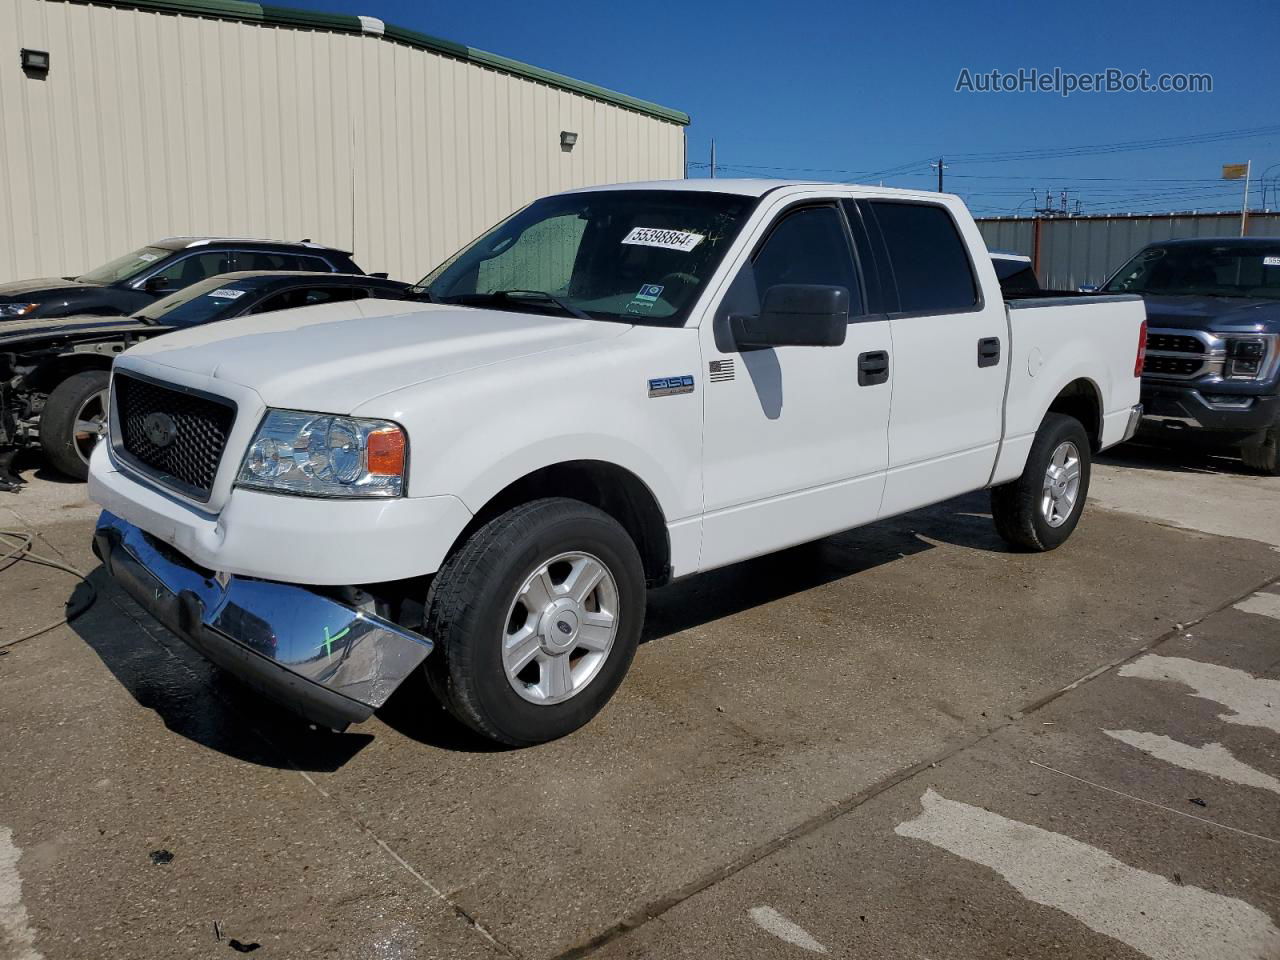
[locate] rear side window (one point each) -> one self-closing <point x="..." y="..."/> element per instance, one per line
<point x="265" y="260"/>
<point x="930" y="262"/>
<point x="808" y="246"/>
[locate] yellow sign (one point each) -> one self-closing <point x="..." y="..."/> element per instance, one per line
<point x="1234" y="171"/>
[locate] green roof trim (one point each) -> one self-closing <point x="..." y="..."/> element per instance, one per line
<point x="269" y="14"/>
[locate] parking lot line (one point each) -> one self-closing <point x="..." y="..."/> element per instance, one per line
<point x="15" y="932"/>
<point x="1264" y="604"/>
<point x="1253" y="701"/>
<point x="1212" y="758"/>
<point x="1151" y="914"/>
<point x="771" y="920"/>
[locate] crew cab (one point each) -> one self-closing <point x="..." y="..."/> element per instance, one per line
<point x="614" y="387"/>
<point x="54" y="371"/>
<point x="130" y="282"/>
<point x="1212" y="374"/>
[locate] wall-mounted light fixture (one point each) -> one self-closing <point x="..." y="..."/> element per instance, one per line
<point x="35" y="61"/>
<point x="567" y="139"/>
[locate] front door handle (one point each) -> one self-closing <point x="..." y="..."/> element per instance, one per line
<point x="988" y="351"/>
<point x="873" y="367"/>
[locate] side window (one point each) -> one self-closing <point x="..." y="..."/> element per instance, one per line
<point x="188" y="270"/>
<point x="315" y="265"/>
<point x="265" y="260"/>
<point x="930" y="262"/>
<point x="808" y="246"/>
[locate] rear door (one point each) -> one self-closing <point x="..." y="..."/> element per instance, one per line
<point x="795" y="440"/>
<point x="950" y="352"/>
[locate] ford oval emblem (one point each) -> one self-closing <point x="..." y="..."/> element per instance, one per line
<point x="563" y="627"/>
<point x="160" y="428"/>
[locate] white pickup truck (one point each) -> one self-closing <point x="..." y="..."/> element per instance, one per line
<point x="613" y="388"/>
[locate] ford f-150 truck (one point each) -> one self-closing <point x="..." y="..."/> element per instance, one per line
<point x="613" y="388"/>
<point x="1212" y="373"/>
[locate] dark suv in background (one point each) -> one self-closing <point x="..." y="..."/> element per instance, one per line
<point x="129" y="283"/>
<point x="1213" y="314"/>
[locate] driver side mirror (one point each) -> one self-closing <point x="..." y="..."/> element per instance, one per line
<point x="795" y="315"/>
<point x="157" y="285"/>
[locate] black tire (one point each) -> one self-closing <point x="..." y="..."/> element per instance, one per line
<point x="1016" y="506"/>
<point x="58" y="420"/>
<point x="469" y="603"/>
<point x="1264" y="455"/>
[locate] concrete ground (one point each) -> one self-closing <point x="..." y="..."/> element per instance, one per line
<point x="903" y="741"/>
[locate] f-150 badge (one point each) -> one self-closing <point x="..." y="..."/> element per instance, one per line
<point x="669" y="386"/>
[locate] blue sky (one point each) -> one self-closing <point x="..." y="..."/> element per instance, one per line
<point x="851" y="87"/>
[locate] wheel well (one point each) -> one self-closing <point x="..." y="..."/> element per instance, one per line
<point x="52" y="372"/>
<point x="1080" y="399"/>
<point x="606" y="486"/>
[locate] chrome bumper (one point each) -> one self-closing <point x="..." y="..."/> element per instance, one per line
<point x="1135" y="418"/>
<point x="330" y="662"/>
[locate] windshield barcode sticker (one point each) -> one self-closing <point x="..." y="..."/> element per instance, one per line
<point x="665" y="239"/>
<point x="1271" y="261"/>
<point x="226" y="293"/>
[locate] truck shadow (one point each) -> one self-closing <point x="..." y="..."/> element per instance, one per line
<point x="198" y="701"/>
<point x="1175" y="460"/>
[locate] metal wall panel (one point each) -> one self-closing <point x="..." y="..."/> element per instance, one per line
<point x="1086" y="250"/>
<point x="153" y="124"/>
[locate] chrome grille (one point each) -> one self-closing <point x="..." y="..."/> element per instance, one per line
<point x="196" y="426"/>
<point x="1175" y="343"/>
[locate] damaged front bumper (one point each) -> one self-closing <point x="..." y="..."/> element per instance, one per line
<point x="328" y="661"/>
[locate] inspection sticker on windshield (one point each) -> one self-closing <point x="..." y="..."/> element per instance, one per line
<point x="665" y="239"/>
<point x="148" y="257"/>
<point x="1271" y="261"/>
<point x="226" y="293"/>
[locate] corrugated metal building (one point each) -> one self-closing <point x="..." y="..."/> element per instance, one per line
<point x="1070" y="251"/>
<point x="191" y="117"/>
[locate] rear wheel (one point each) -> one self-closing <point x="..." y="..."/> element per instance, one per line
<point x="1040" y="509"/>
<point x="74" y="418"/>
<point x="1264" y="455"/>
<point x="536" y="620"/>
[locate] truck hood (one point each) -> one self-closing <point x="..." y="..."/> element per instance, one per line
<point x="36" y="290"/>
<point x="16" y="334"/>
<point x="1213" y="314"/>
<point x="335" y="357"/>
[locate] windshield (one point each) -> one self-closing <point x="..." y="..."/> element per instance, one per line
<point x="202" y="302"/>
<point x="640" y="256"/>
<point x="122" y="268"/>
<point x="1213" y="270"/>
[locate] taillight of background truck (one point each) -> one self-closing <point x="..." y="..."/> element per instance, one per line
<point x="1142" y="350"/>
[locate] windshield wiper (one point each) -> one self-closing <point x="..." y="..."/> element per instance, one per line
<point x="506" y="296"/>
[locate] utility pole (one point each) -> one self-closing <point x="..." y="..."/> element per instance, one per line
<point x="941" y="166"/>
<point x="713" y="158"/>
<point x="1244" y="205"/>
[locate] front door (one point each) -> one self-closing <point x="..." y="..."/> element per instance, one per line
<point x="795" y="447"/>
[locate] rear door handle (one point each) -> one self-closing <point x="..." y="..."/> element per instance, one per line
<point x="873" y="367"/>
<point x="988" y="351"/>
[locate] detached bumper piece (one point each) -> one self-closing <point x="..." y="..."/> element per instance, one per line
<point x="329" y="662"/>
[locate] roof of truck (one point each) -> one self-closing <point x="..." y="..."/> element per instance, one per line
<point x="758" y="188"/>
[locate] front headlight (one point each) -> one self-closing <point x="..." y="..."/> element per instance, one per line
<point x="11" y="310"/>
<point x="320" y="455"/>
<point x="1247" y="357"/>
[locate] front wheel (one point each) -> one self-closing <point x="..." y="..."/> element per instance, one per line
<point x="73" y="420"/>
<point x="1040" y="509"/>
<point x="536" y="619"/>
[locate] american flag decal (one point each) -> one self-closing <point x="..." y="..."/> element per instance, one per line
<point x="721" y="370"/>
